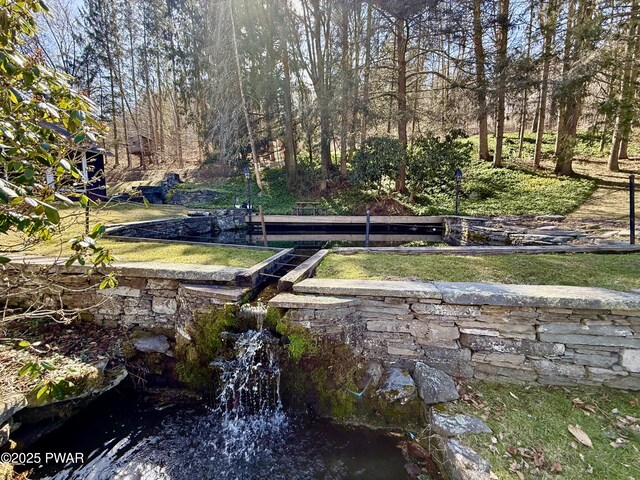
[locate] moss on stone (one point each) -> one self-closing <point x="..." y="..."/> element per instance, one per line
<point x="322" y="375"/>
<point x="193" y="357"/>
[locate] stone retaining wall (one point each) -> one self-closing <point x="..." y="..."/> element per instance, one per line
<point x="463" y="231"/>
<point x="222" y="220"/>
<point x="149" y="296"/>
<point x="514" y="333"/>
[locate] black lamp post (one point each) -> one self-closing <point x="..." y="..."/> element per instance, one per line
<point x="458" y="182"/>
<point x="247" y="175"/>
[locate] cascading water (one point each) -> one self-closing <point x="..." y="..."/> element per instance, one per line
<point x="249" y="406"/>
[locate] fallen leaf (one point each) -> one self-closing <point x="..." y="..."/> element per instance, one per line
<point x="586" y="407"/>
<point x="520" y="475"/>
<point x="619" y="442"/>
<point x="538" y="459"/>
<point x="634" y="402"/>
<point x="513" y="395"/>
<point x="583" y="438"/>
<point x="556" y="467"/>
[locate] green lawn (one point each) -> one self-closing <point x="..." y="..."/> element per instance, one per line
<point x="72" y="226"/>
<point x="618" y="272"/>
<point x="190" y="254"/>
<point x="530" y="425"/>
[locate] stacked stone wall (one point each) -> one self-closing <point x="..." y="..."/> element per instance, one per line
<point x="512" y="340"/>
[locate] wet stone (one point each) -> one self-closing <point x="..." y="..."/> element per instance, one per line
<point x="464" y="463"/>
<point x="434" y="386"/>
<point x="398" y="386"/>
<point x="453" y="425"/>
<point x="157" y="344"/>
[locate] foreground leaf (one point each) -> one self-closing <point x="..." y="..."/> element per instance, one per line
<point x="581" y="436"/>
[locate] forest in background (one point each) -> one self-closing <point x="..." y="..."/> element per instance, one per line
<point x="307" y="82"/>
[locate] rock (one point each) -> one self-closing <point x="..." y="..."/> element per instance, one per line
<point x="545" y="296"/>
<point x="454" y="361"/>
<point x="630" y="359"/>
<point x="380" y="288"/>
<point x="5" y="431"/>
<point x="465" y="464"/>
<point x="482" y="343"/>
<point x="372" y="376"/>
<point x="10" y="405"/>
<point x="194" y="197"/>
<point x="398" y="386"/>
<point x="164" y="306"/>
<point x="157" y="344"/>
<point x="434" y="386"/>
<point x="549" y="218"/>
<point x="569" y="328"/>
<point x="453" y="425"/>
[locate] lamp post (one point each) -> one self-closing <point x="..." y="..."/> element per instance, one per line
<point x="247" y="175"/>
<point x="458" y="182"/>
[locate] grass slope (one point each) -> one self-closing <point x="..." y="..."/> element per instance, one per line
<point x="618" y="272"/>
<point x="72" y="225"/>
<point x="530" y="425"/>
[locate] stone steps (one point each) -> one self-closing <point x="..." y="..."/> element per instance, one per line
<point x="377" y="288"/>
<point x="321" y="302"/>
<point x="224" y="294"/>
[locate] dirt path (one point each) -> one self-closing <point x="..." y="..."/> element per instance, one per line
<point x="610" y="201"/>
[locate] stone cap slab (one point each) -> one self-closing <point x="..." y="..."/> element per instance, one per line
<point x="302" y="271"/>
<point x="543" y="296"/>
<point x="229" y="294"/>
<point x="289" y="300"/>
<point x="376" y="288"/>
<point x="172" y="271"/>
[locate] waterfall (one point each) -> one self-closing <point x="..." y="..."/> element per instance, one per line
<point x="249" y="407"/>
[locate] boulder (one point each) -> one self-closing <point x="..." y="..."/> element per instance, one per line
<point x="10" y="405"/>
<point x="156" y="344"/>
<point x="465" y="464"/>
<point x="434" y="386"/>
<point x="398" y="386"/>
<point x="453" y="425"/>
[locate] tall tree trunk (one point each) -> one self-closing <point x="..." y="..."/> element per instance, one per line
<point x="366" y="74"/>
<point x="501" y="67"/>
<point x="481" y="82"/>
<point x="114" y="118"/>
<point x="159" y="107"/>
<point x="525" y="96"/>
<point x="346" y="74"/>
<point x="245" y="107"/>
<point x="289" y="144"/>
<point x="571" y="107"/>
<point x="134" y="81"/>
<point x="625" y="113"/>
<point x="401" y="49"/>
<point x="548" y="19"/>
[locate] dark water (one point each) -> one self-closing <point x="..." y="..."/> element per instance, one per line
<point x="123" y="438"/>
<point x="326" y="236"/>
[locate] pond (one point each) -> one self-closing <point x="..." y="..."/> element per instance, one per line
<point x="325" y="235"/>
<point x="124" y="437"/>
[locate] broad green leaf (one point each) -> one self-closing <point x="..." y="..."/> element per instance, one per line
<point x="52" y="214"/>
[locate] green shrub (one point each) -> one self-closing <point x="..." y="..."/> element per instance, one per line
<point x="433" y="162"/>
<point x="378" y="160"/>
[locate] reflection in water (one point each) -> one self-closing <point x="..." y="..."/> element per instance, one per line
<point x="190" y="444"/>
